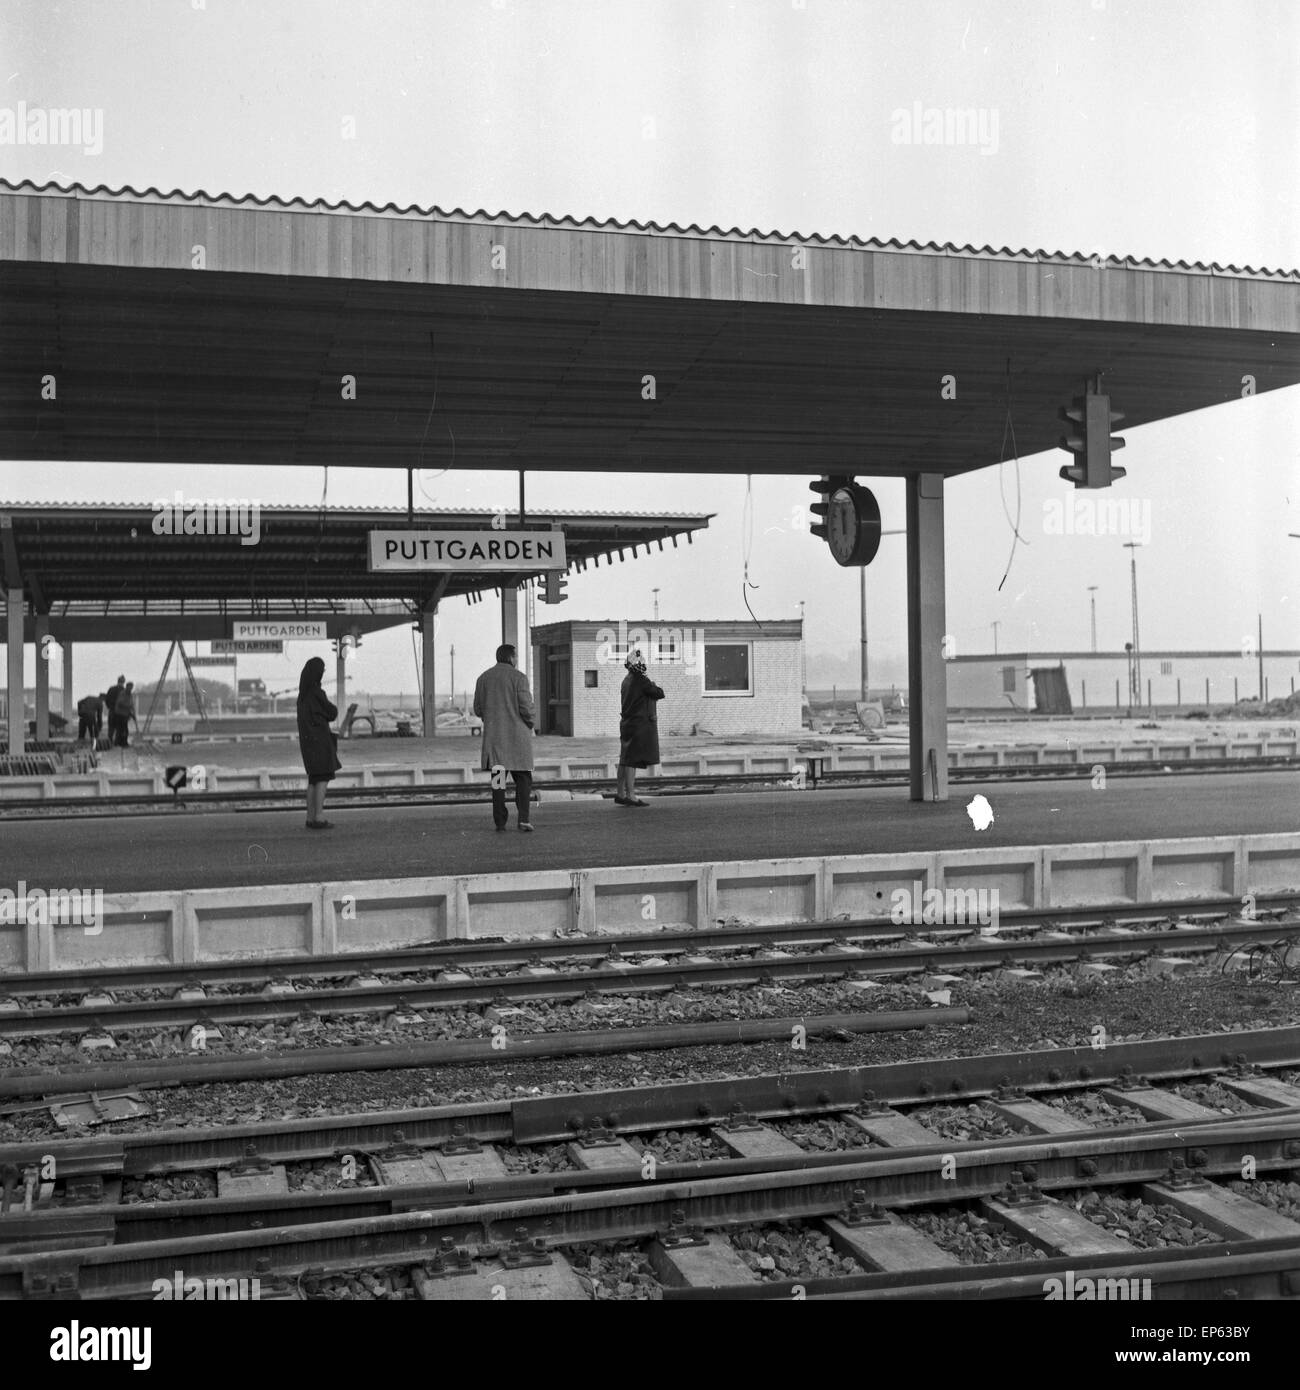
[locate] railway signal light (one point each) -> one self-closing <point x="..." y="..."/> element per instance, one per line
<point x="1090" y="419"/>
<point x="557" y="581"/>
<point x="826" y="486"/>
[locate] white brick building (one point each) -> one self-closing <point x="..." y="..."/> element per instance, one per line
<point x="727" y="677"/>
<point x="1100" y="681"/>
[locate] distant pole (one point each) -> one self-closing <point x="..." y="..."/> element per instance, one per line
<point x="655" y="592"/>
<point x="803" y="652"/>
<point x="1262" y="691"/>
<point x="453" y="673"/>
<point x="1092" y="590"/>
<point x="862" y="674"/>
<point x="1137" y="643"/>
<point x="995" y="627"/>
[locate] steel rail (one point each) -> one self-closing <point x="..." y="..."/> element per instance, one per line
<point x="141" y="1221"/>
<point x="1228" y="1269"/>
<point x="549" y="1119"/>
<point x="462" y="794"/>
<point x="648" y="1209"/>
<point x="1046" y="1071"/>
<point x="460" y="953"/>
<point x="824" y="966"/>
<point x="206" y="1068"/>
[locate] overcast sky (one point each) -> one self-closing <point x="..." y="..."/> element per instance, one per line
<point x="1155" y="129"/>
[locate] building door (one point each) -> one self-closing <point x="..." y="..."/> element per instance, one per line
<point x="559" y="696"/>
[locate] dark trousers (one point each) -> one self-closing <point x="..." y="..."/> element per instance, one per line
<point x="86" y="727"/>
<point x="523" y="799"/>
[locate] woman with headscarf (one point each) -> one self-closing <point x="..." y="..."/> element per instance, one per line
<point x="317" y="741"/>
<point x="638" y="729"/>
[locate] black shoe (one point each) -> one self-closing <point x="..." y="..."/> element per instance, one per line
<point x="621" y="801"/>
<point x="320" y="825"/>
<point x="500" y="827"/>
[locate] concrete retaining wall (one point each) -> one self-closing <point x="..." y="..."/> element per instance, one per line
<point x="880" y="758"/>
<point x="325" y="918"/>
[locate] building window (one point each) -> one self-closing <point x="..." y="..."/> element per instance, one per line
<point x="1008" y="679"/>
<point x="666" y="649"/>
<point x="1166" y="668"/>
<point x="589" y="679"/>
<point x="727" y="669"/>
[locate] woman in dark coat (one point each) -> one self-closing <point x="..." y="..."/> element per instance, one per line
<point x="317" y="741"/>
<point x="638" y="729"/>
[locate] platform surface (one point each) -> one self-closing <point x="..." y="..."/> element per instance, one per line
<point x="193" y="849"/>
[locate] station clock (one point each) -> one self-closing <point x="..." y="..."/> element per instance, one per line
<point x="851" y="519"/>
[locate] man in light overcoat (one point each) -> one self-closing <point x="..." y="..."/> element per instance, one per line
<point x="504" y="703"/>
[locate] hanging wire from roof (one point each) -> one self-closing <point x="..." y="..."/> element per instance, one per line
<point x="1009" y="429"/>
<point x="747" y="531"/>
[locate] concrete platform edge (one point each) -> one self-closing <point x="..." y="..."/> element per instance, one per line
<point x="305" y="919"/>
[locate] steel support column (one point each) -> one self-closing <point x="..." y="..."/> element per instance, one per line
<point x="14" y="663"/>
<point x="42" y="678"/>
<point x="341" y="680"/>
<point x="429" y="693"/>
<point x="510" y="613"/>
<point x="927" y="676"/>
<point x="69" y="705"/>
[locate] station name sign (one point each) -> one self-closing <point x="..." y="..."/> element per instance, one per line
<point x="210" y="661"/>
<point x="271" y="648"/>
<point x="525" y="551"/>
<point x="278" y="630"/>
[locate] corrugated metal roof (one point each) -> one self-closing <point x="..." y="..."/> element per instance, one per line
<point x="591" y="224"/>
<point x="312" y="508"/>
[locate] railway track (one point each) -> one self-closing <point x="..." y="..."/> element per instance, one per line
<point x="483" y="975"/>
<point x="457" y="794"/>
<point x="440" y="1199"/>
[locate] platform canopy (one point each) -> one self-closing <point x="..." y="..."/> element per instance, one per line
<point x="101" y="573"/>
<point x="178" y="328"/>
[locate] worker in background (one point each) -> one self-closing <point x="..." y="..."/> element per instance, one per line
<point x="110" y="706"/>
<point x="125" y="710"/>
<point x="89" y="717"/>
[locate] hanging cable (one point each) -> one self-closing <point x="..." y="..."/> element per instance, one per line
<point x="1009" y="429"/>
<point x="419" y="672"/>
<point x="747" y="543"/>
<point x="320" y="515"/>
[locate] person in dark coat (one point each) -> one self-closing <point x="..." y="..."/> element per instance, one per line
<point x="88" y="715"/>
<point x="317" y="742"/>
<point x="110" y="704"/>
<point x="503" y="701"/>
<point x="125" y="711"/>
<point x="638" y="729"/>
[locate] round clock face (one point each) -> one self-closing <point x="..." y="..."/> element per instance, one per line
<point x="853" y="525"/>
<point x="842" y="525"/>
